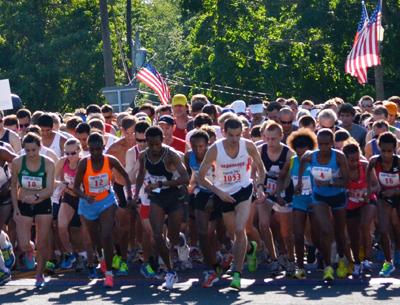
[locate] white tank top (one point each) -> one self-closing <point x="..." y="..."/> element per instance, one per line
<point x="55" y="145"/>
<point x="232" y="174"/>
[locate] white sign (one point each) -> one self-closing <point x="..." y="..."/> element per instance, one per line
<point x="5" y="95"/>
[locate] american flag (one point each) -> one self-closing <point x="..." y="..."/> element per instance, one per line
<point x="365" y="51"/>
<point x="151" y="78"/>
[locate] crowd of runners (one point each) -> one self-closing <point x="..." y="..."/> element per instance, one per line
<point x="279" y="182"/>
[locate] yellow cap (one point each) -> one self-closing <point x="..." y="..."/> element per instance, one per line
<point x="179" y="99"/>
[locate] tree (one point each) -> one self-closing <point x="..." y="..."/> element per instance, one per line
<point x="109" y="74"/>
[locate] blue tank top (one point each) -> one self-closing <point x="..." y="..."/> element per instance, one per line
<point x="325" y="172"/>
<point x="305" y="196"/>
<point x="375" y="147"/>
<point x="195" y="167"/>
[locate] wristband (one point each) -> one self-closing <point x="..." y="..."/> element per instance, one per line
<point x="160" y="184"/>
<point x="260" y="184"/>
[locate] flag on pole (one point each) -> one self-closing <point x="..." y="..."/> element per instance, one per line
<point x="151" y="78"/>
<point x="365" y="51"/>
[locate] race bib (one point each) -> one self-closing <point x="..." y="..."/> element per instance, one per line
<point x="389" y="179"/>
<point x="156" y="179"/>
<point x="99" y="183"/>
<point x="32" y="183"/>
<point x="306" y="184"/>
<point x="322" y="173"/>
<point x="232" y="177"/>
<point x="69" y="179"/>
<point x="271" y="185"/>
<point x="357" y="195"/>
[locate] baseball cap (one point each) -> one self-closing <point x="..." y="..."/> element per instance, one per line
<point x="256" y="108"/>
<point x="166" y="119"/>
<point x="391" y="107"/>
<point x="239" y="106"/>
<point x="179" y="99"/>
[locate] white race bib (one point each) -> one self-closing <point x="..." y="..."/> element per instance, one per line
<point x="322" y="173"/>
<point x="357" y="195"/>
<point x="271" y="186"/>
<point x="32" y="183"/>
<point x="306" y="184"/>
<point x="99" y="183"/>
<point x="389" y="179"/>
<point x="232" y="177"/>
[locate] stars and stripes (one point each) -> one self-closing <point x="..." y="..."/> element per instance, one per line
<point x="365" y="51"/>
<point x="151" y="78"/>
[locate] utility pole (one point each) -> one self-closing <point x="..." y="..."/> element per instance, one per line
<point x="379" y="86"/>
<point x="138" y="59"/>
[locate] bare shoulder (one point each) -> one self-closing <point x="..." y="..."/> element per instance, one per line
<point x="48" y="161"/>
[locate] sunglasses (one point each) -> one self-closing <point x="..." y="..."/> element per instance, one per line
<point x="140" y="140"/>
<point x="367" y="105"/>
<point x="286" y="122"/>
<point x="72" y="153"/>
<point x="108" y="117"/>
<point x="24" y="125"/>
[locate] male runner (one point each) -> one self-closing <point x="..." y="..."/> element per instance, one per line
<point x="233" y="186"/>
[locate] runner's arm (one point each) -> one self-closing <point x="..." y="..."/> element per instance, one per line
<point x="140" y="175"/>
<point x="79" y="179"/>
<point x="209" y="159"/>
<point x="180" y="167"/>
<point x="344" y="171"/>
<point x="114" y="162"/>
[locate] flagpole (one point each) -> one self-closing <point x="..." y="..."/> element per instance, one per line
<point x="379" y="85"/>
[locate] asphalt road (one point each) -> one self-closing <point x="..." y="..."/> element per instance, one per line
<point x="72" y="288"/>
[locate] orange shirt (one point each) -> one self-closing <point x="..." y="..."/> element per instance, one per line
<point x="97" y="184"/>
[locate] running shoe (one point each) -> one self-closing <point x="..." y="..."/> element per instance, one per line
<point x="195" y="255"/>
<point x="387" y="269"/>
<point x="40" y="281"/>
<point x="170" y="279"/>
<point x="109" y="281"/>
<point x="328" y="274"/>
<point x="396" y="258"/>
<point x="357" y="271"/>
<point x="311" y="257"/>
<point x="123" y="269"/>
<point x="235" y="283"/>
<point x="252" y="257"/>
<point x="147" y="271"/>
<point x="93" y="274"/>
<point x="80" y="263"/>
<point x="227" y="261"/>
<point x="50" y="267"/>
<point x="274" y="268"/>
<point x="300" y="274"/>
<point x="367" y="265"/>
<point x="116" y="262"/>
<point x="161" y="273"/>
<point x="29" y="260"/>
<point x="68" y="261"/>
<point x="290" y="269"/>
<point x="210" y="278"/>
<point x="9" y="256"/>
<point x="4" y="277"/>
<point x="341" y="270"/>
<point x="283" y="261"/>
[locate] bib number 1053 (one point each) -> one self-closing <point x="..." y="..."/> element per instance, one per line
<point x="232" y="178"/>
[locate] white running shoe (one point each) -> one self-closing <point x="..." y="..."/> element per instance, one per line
<point x="170" y="279"/>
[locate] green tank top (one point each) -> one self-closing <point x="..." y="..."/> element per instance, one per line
<point x="31" y="180"/>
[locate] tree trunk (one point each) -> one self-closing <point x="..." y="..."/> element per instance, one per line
<point x="379" y="88"/>
<point x="129" y="31"/>
<point x="109" y="75"/>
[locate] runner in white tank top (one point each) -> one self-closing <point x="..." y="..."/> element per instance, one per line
<point x="232" y="174"/>
<point x="233" y="188"/>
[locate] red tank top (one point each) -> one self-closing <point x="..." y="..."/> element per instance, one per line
<point x="357" y="190"/>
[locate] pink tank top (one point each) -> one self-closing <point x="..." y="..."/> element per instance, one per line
<point x="69" y="173"/>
